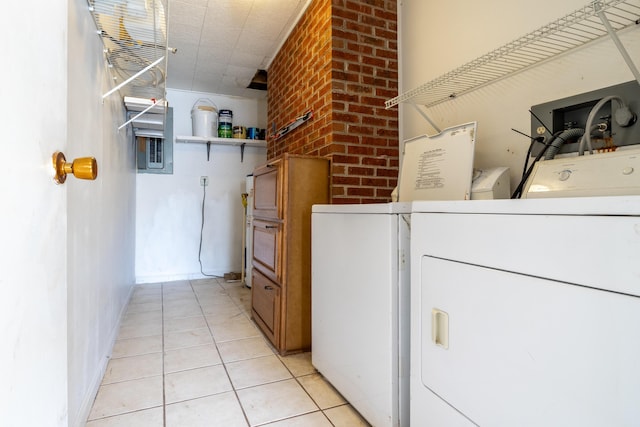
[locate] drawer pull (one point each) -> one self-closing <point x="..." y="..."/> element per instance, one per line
<point x="268" y="288"/>
<point x="270" y="226"/>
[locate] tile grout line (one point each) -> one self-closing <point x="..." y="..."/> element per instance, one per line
<point x="224" y="366"/>
<point x="275" y="353"/>
<point x="307" y="392"/>
<point x="112" y="416"/>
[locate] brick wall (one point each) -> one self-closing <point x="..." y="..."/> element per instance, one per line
<point x="341" y="61"/>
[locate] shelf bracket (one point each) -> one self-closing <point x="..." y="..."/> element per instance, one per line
<point x="616" y="40"/>
<point x="242" y="152"/>
<point x="135" y="76"/>
<point x="424" y="115"/>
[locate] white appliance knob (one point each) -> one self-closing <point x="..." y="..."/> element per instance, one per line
<point x="628" y="170"/>
<point x="564" y="175"/>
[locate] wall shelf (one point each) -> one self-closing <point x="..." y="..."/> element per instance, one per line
<point x="222" y="141"/>
<point x="236" y="142"/>
<point x="593" y="21"/>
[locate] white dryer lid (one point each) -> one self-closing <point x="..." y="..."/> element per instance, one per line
<point x="438" y="167"/>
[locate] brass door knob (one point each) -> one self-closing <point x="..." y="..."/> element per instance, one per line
<point x="81" y="168"/>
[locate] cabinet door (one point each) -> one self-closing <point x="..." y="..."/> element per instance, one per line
<point x="266" y="248"/>
<point x="265" y="297"/>
<point x="266" y="201"/>
<point x="508" y="349"/>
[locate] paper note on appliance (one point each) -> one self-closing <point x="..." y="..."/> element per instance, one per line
<point x="438" y="167"/>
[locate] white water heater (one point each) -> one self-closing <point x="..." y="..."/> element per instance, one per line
<point x="248" y="242"/>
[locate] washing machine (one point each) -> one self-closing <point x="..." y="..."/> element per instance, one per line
<point x="525" y="312"/>
<point x="360" y="278"/>
<point x="360" y="306"/>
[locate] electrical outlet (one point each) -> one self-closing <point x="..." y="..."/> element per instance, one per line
<point x="204" y="181"/>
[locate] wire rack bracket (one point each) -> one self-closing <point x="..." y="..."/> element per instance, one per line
<point x="134" y="35"/>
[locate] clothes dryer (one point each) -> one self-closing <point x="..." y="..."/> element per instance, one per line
<point x="525" y="312"/>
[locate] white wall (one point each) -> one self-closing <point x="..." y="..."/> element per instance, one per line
<point x="33" y="273"/>
<point x="437" y="37"/>
<point x="168" y="207"/>
<point x="101" y="215"/>
<point x="66" y="258"/>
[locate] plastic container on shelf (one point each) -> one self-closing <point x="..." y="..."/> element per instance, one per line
<point x="204" y="118"/>
<point x="240" y="132"/>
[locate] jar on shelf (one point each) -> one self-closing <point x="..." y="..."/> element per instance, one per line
<point x="225" y="124"/>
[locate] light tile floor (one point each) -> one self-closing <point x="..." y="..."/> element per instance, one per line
<point x="189" y="355"/>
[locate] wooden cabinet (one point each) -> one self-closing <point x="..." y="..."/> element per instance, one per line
<point x="284" y="191"/>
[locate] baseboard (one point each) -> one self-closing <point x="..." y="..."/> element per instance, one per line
<point x="174" y="277"/>
<point x="90" y="397"/>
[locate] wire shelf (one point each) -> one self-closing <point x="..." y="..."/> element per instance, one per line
<point x="134" y="34"/>
<point x="569" y="32"/>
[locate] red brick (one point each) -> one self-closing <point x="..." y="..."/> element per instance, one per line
<point x="374" y="121"/>
<point x="360" y="191"/>
<point x="361" y="172"/>
<point x="341" y="158"/>
<point x="347" y="14"/>
<point x="346" y="117"/>
<point x="374" y="161"/>
<point x="338" y="169"/>
<point x="375" y="182"/>
<point x="360" y="108"/>
<point x="384" y="192"/>
<point x="361" y="150"/>
<point x="356" y="88"/>
<point x="360" y="7"/>
<point x="346" y="138"/>
<point x="387" y="152"/>
<point x="346" y="180"/>
<point x="387" y="172"/>
<point x="373" y="21"/>
<point x="360" y="130"/>
<point x="346" y="97"/>
<point x="341" y="60"/>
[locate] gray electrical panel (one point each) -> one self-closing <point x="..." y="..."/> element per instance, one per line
<point x="155" y="154"/>
<point x="572" y="112"/>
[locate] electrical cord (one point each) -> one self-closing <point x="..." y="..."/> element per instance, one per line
<point x="529" y="151"/>
<point x="518" y="192"/>
<point x="623" y="116"/>
<point x="204" y="194"/>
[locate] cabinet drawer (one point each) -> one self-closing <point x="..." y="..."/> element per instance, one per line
<point x="266" y="248"/>
<point x="266" y="192"/>
<point x="265" y="303"/>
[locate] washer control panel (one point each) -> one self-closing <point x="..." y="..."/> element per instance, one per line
<point x="605" y="174"/>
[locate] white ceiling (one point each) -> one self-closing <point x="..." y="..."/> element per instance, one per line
<point x="222" y="43"/>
